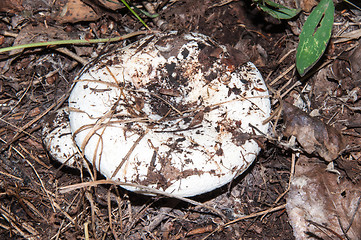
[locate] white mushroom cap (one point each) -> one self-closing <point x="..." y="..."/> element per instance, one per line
<point x="58" y="138"/>
<point x="169" y="112"/>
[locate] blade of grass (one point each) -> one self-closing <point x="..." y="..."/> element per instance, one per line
<point x="74" y="41"/>
<point x="139" y="10"/>
<point x="352" y="4"/>
<point x="134" y="13"/>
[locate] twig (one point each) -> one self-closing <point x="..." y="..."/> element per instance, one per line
<point x="22" y="129"/>
<point x="13" y="220"/>
<point x="36" y="159"/>
<point x="293" y="163"/>
<point x="36" y="173"/>
<point x="282" y="74"/>
<point x="247" y="217"/>
<point x="126" y="157"/>
<point x="72" y="55"/>
<point x="319" y="226"/>
<point x="12" y="176"/>
<point x="354" y="214"/>
<point x="142" y="189"/>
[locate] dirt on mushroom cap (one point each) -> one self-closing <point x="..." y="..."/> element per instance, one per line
<point x="154" y="114"/>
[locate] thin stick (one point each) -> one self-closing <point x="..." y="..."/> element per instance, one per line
<point x="126" y="157"/>
<point x="143" y="189"/>
<point x="293" y="163"/>
<point x="22" y="129"/>
<point x="282" y="74"/>
<point x="174" y="108"/>
<point x="247" y="217"/>
<point x="74" y="41"/>
<point x="40" y="180"/>
<point x="9" y="175"/>
<point x="69" y="53"/>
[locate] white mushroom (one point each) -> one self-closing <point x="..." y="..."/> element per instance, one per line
<point x="58" y="139"/>
<point x="170" y="112"/>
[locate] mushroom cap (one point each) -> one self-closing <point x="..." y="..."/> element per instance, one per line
<point x="170" y="112"/>
<point x="57" y="138"/>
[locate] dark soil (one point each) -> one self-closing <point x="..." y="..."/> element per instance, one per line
<point x="35" y="82"/>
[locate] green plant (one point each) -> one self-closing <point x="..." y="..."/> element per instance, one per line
<point x="315" y="34"/>
<point x="276" y="10"/>
<point x="134" y="13"/>
<point x="130" y="8"/>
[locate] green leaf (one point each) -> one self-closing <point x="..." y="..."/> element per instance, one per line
<point x="314" y="37"/>
<point x="277" y="10"/>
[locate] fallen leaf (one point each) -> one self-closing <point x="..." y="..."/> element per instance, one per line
<point x="321" y="205"/>
<point x="31" y="34"/>
<point x="307" y="5"/>
<point x="356" y="63"/>
<point x="76" y="11"/>
<point x="311" y="133"/>
<point x="40" y="33"/>
<point x="111" y="5"/>
<point x="352" y="168"/>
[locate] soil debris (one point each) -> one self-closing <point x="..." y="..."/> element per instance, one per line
<point x="11" y="6"/>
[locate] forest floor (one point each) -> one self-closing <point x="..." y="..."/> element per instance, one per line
<point x="35" y="81"/>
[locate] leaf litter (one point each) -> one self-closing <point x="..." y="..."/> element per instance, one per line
<point x="312" y="134"/>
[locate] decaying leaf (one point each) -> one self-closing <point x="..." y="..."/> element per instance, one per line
<point x="76" y="11"/>
<point x="33" y="34"/>
<point x="307" y="5"/>
<point x="40" y="33"/>
<point x="320" y="205"/>
<point x="112" y="5"/>
<point x="356" y="63"/>
<point x="311" y="133"/>
<point x="352" y="168"/>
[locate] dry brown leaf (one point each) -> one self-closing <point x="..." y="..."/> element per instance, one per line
<point x="356" y="63"/>
<point x="320" y="205"/>
<point x="311" y="133"/>
<point x="76" y="11"/>
<point x="31" y="34"/>
<point x="352" y="167"/>
<point x="348" y="36"/>
<point x="307" y="5"/>
<point x="111" y="5"/>
<point x="40" y="33"/>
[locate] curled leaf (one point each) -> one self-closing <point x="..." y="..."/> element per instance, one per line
<point x="312" y="134"/>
